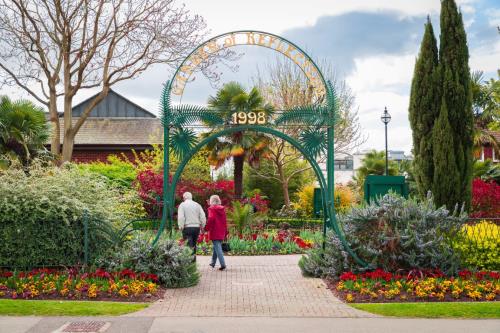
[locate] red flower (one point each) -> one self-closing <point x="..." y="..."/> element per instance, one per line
<point x="7" y="274"/>
<point x="465" y="274"/>
<point x="348" y="276"/>
<point x="153" y="277"/>
<point x="127" y="273"/>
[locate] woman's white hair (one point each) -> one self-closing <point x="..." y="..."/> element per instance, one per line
<point x="187" y="196"/>
<point x="215" y="200"/>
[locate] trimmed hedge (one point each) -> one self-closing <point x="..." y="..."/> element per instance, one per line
<point x="295" y="223"/>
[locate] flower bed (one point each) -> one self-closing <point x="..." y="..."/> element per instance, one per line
<point x="125" y="285"/>
<point x="380" y="286"/>
<point x="283" y="242"/>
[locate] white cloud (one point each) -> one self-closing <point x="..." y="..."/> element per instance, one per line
<point x="493" y="17"/>
<point x="485" y="58"/>
<point x="383" y="82"/>
<point x="381" y="71"/>
<point x="279" y="15"/>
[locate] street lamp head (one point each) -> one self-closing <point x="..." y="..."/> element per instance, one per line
<point x="386" y="117"/>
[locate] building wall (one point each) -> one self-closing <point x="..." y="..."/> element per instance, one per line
<point x="87" y="156"/>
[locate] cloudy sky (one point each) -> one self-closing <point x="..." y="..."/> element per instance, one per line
<point x="371" y="44"/>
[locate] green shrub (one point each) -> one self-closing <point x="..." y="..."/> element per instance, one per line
<point x="41" y="219"/>
<point x="295" y="223"/>
<point x="479" y="246"/>
<point x="399" y="233"/>
<point x="171" y="262"/>
<point x="330" y="262"/>
<point x="395" y="234"/>
<point x="118" y="171"/>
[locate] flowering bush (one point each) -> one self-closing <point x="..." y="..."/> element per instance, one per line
<point x="345" y="198"/>
<point x="70" y="284"/>
<point x="150" y="187"/>
<point x="304" y="203"/>
<point x="260" y="204"/>
<point x="485" y="198"/>
<point x="479" y="245"/>
<point x="417" y="285"/>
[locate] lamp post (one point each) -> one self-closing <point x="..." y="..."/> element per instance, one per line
<point x="386" y="118"/>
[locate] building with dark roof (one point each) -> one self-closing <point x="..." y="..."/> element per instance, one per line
<point x="115" y="126"/>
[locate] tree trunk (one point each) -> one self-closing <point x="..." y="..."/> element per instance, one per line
<point x="67" y="151"/>
<point x="55" y="143"/>
<point x="69" y="132"/>
<point x="286" y="195"/>
<point x="238" y="175"/>
<point x="284" y="185"/>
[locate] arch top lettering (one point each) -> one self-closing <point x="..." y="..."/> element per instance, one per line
<point x="249" y="37"/>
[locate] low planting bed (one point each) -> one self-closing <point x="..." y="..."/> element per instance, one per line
<point x="266" y="243"/>
<point x="51" y="284"/>
<point x="416" y="286"/>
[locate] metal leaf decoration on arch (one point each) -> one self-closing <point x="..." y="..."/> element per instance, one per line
<point x="314" y="141"/>
<point x="184" y="115"/>
<point x="312" y="115"/>
<point x="182" y="140"/>
<point x="165" y="108"/>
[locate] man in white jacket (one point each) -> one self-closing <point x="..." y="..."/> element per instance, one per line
<point x="190" y="219"/>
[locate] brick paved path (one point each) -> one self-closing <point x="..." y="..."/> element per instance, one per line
<point x="271" y="286"/>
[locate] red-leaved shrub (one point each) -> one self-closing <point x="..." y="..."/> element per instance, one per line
<point x="485" y="199"/>
<point x="150" y="188"/>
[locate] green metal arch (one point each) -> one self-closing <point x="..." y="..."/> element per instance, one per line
<point x="329" y="216"/>
<point x="254" y="31"/>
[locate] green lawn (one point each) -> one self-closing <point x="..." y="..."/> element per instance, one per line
<point x="10" y="307"/>
<point x="433" y="310"/>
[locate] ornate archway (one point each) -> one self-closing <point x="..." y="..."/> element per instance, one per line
<point x="317" y="120"/>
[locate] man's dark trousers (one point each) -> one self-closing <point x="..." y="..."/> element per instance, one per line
<point x="190" y="234"/>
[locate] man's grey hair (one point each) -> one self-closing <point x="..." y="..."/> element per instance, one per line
<point x="187" y="196"/>
<point x="215" y="200"/>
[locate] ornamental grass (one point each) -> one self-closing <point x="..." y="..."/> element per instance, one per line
<point x="382" y="286"/>
<point x="72" y="284"/>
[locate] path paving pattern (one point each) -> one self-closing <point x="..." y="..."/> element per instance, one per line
<point x="270" y="286"/>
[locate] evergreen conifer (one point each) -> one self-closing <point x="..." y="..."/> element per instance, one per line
<point x="424" y="108"/>
<point x="457" y="101"/>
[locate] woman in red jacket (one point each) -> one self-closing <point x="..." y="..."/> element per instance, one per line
<point x="217" y="229"/>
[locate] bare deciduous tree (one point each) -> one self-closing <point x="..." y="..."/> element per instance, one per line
<point x="55" y="48"/>
<point x="285" y="86"/>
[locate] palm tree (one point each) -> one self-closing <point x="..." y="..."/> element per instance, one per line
<point x="486" y="109"/>
<point x="239" y="146"/>
<point x="374" y="164"/>
<point x="23" y="129"/>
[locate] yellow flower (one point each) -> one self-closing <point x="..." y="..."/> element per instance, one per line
<point x="490" y="296"/>
<point x="152" y="287"/>
<point x="349" y="298"/>
<point x="92" y="292"/>
<point x="474" y="295"/>
<point x="123" y="293"/>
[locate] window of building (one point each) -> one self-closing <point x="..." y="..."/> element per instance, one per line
<point x="343" y="165"/>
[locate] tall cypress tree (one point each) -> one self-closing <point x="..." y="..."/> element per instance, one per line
<point x="457" y="97"/>
<point x="446" y="176"/>
<point x="424" y="108"/>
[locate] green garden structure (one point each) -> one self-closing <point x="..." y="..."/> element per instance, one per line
<point x="316" y="121"/>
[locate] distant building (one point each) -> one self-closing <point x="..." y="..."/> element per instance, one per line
<point x="345" y="165"/>
<point x="116" y="125"/>
<point x="487" y="152"/>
